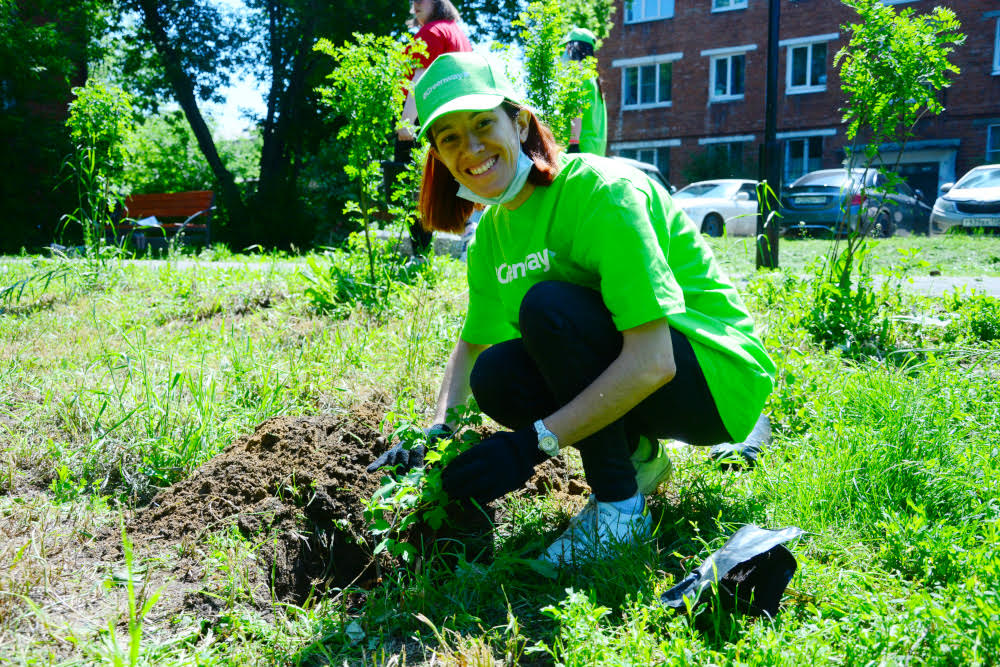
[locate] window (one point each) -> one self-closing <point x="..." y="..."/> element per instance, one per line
<point x="993" y="144"/>
<point x="658" y="155"/>
<point x="725" y="157"/>
<point x="727" y="79"/>
<point x="807" y="68"/>
<point x="802" y="155"/>
<point x="647" y="85"/>
<point x="648" y="10"/>
<point x="726" y="5"/>
<point x="996" y="50"/>
<point x="655" y="152"/>
<point x="805" y="63"/>
<point x="729" y="153"/>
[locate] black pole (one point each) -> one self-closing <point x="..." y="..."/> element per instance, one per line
<point x="770" y="164"/>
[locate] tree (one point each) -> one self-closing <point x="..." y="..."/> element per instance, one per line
<point x="44" y="49"/>
<point x="187" y="50"/>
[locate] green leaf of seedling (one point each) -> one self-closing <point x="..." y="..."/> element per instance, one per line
<point x="407" y="522"/>
<point x="407" y="552"/>
<point x="436" y="517"/>
<point x="542" y="567"/>
<point x="380" y="526"/>
<point x="382" y="546"/>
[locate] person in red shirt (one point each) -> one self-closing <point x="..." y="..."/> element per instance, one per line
<point x="438" y="28"/>
<point x="438" y="23"/>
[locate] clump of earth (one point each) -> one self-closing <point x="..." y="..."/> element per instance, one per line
<point x="299" y="486"/>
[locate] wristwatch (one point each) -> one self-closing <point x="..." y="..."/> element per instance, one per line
<point x="547" y="440"/>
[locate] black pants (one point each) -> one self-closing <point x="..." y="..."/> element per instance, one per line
<point x="420" y="238"/>
<point x="568" y="339"/>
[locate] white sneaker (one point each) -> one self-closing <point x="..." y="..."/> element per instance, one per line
<point x="596" y="527"/>
<point x="652" y="468"/>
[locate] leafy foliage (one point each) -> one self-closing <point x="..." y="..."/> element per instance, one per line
<point x="44" y="48"/>
<point x="164" y="157"/>
<point x="894" y="67"/>
<point x="418" y="496"/>
<point x="101" y="125"/>
<point x="891" y="70"/>
<point x="554" y="88"/>
<point x="334" y="283"/>
<point x="366" y="90"/>
<point x="977" y="318"/>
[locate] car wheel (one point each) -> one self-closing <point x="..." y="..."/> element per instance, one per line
<point x="712" y="225"/>
<point x="884" y="227"/>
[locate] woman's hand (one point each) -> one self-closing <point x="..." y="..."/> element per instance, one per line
<point x="496" y="466"/>
<point x="405" y="460"/>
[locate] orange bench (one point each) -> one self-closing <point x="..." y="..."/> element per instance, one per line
<point x="153" y="219"/>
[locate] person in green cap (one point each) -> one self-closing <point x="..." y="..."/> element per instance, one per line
<point x="589" y="132"/>
<point x="597" y="317"/>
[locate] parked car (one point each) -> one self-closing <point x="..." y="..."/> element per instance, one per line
<point x="650" y="170"/>
<point x="971" y="203"/>
<point x="837" y="199"/>
<point x="728" y="205"/>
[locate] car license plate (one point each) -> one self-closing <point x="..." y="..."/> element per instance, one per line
<point x="810" y="200"/>
<point x="980" y="222"/>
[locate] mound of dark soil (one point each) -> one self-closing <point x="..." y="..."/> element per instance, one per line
<point x="301" y="480"/>
<point x="298" y="483"/>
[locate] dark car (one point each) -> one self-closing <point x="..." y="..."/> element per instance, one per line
<point x="837" y="199"/>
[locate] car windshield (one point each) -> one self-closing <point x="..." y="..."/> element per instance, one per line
<point x="980" y="178"/>
<point x="720" y="190"/>
<point x="837" y="179"/>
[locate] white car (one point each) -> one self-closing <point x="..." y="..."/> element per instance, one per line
<point x="728" y="204"/>
<point x="972" y="203"/>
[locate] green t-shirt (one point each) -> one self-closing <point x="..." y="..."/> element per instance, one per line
<point x="594" y="123"/>
<point x="604" y="225"/>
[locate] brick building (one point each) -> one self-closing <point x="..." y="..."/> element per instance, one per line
<point x="684" y="83"/>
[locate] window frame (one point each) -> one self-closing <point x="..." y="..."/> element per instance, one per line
<point x="993" y="134"/>
<point x="626" y="20"/>
<point x="787" y="176"/>
<point x="734" y="5"/>
<point x="715" y="55"/>
<point x="809" y="43"/>
<point x="658" y="60"/>
<point x="996" y="49"/>
<point x="729" y="96"/>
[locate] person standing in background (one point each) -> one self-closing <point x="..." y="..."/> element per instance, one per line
<point x="437" y="21"/>
<point x="589" y="132"/>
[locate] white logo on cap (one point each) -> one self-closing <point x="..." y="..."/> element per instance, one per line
<point x="460" y="75"/>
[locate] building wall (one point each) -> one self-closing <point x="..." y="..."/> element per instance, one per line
<point x="693" y="121"/>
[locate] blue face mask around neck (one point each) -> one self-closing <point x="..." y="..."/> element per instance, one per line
<point x="523" y="169"/>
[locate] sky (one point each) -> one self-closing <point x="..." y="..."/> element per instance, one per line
<point x="246" y="94"/>
<point x="232" y="123"/>
<point x="250" y="95"/>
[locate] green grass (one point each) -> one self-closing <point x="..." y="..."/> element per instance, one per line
<point x="951" y="255"/>
<point x="114" y="382"/>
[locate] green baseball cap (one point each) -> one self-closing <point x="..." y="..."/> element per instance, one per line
<point x="580" y="35"/>
<point x="460" y="81"/>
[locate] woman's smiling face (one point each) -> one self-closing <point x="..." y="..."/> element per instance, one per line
<point x="480" y="148"/>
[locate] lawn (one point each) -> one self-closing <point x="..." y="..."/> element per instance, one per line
<point x="121" y="380"/>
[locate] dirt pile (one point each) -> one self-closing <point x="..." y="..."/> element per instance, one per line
<point x="300" y="483"/>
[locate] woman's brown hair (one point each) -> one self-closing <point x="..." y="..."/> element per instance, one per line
<point x="441" y="208"/>
<point x="443" y="11"/>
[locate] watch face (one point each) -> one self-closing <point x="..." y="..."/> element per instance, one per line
<point x="549" y="445"/>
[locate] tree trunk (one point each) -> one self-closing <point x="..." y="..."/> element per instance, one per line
<point x="183" y="88"/>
